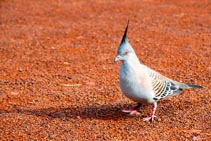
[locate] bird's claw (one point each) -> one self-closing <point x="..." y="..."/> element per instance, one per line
<point x="151" y="118"/>
<point x="131" y="112"/>
<point x="134" y="112"/>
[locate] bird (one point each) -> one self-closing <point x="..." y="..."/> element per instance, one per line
<point x="141" y="83"/>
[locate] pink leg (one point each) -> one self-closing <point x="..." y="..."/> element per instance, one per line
<point x="153" y="113"/>
<point x="132" y="110"/>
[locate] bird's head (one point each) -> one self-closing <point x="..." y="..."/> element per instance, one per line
<point x="125" y="50"/>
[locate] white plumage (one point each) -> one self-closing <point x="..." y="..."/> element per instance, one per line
<point x="142" y="84"/>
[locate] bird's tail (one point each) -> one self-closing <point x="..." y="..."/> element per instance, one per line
<point x="186" y="86"/>
<point x="194" y="86"/>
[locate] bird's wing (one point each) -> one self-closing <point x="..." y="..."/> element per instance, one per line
<point x="163" y="86"/>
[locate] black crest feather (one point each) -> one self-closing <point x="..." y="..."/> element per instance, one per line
<point x="125" y="34"/>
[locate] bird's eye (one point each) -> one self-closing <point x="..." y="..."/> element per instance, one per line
<point x="126" y="52"/>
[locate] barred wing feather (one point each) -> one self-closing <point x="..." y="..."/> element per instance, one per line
<point x="163" y="86"/>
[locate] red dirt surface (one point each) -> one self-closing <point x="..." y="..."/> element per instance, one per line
<point x="58" y="80"/>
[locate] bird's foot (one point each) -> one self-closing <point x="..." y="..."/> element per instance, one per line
<point x="131" y="112"/>
<point x="151" y="118"/>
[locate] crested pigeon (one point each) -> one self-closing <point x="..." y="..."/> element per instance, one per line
<point x="142" y="84"/>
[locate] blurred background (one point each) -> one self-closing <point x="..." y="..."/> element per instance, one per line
<point x="58" y="80"/>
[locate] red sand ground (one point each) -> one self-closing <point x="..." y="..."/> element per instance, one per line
<point x="58" y="80"/>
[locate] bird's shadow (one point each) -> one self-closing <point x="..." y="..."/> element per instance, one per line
<point x="103" y="112"/>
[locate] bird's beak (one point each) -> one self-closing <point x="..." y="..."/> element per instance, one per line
<point x="118" y="57"/>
